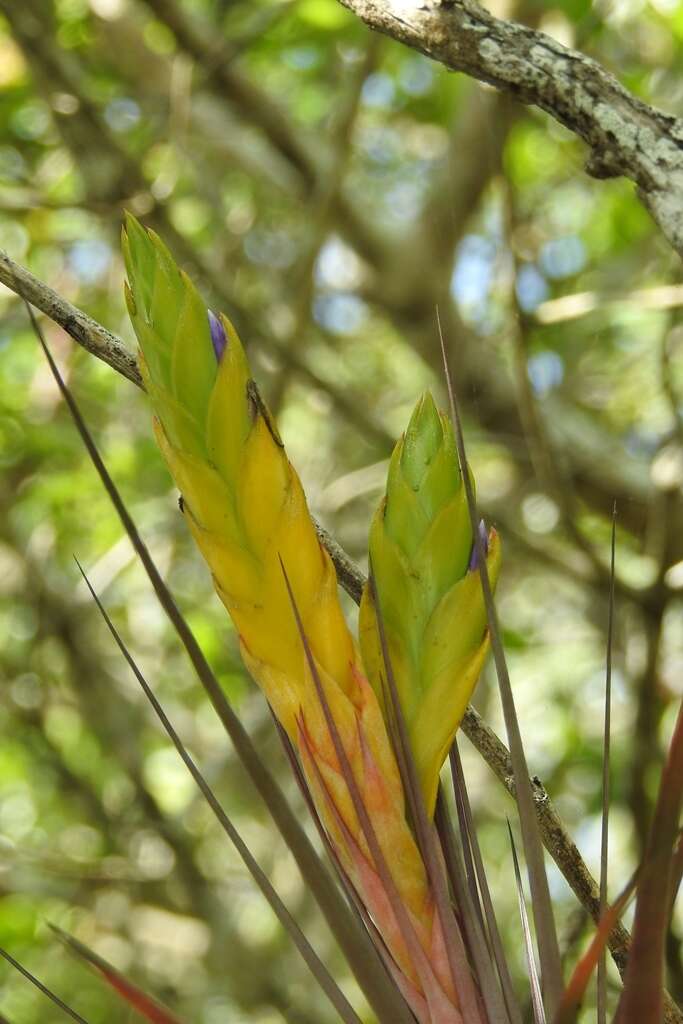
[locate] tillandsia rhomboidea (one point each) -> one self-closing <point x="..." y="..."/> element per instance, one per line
<point x="423" y="621"/>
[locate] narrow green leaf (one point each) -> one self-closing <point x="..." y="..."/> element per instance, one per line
<point x="43" y="988"/>
<point x="511" y="1001"/>
<point x="473" y="925"/>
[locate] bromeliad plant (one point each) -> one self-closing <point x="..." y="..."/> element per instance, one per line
<point x="367" y="728"/>
<point x="247" y="512"/>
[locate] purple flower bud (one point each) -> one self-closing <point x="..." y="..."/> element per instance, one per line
<point x="218" y="338"/>
<point x="484" y="537"/>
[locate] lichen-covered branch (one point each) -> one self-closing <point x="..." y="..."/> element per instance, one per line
<point x="598" y="464"/>
<point x="625" y="136"/>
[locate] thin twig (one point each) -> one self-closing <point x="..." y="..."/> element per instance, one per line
<point x="88" y="333"/>
<point x="625" y="135"/>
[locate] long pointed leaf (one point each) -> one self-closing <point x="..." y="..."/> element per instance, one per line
<point x="509" y="995"/>
<point x="604" y="839"/>
<point x="473" y="925"/>
<point x="642" y="997"/>
<point x="549" y="950"/>
<point x="399" y="911"/>
<point x="463" y="825"/>
<point x="677" y="870"/>
<point x="536" y="997"/>
<point x="43" y="988"/>
<point x="402" y="1014"/>
<point x="317" y="968"/>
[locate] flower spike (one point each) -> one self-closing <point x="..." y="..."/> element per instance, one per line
<point x="425" y="568"/>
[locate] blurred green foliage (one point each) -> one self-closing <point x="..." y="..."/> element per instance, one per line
<point x="327" y="189"/>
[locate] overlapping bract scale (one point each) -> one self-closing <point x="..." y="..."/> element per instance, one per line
<point x="431" y="602"/>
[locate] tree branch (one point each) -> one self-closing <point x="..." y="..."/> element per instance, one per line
<point x="598" y="465"/>
<point x="87" y="332"/>
<point x="626" y="136"/>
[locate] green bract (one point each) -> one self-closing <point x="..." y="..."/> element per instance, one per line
<point x="178" y="363"/>
<point x="429" y="591"/>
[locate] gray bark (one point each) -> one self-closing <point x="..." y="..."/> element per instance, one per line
<point x="626" y="137"/>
